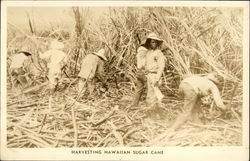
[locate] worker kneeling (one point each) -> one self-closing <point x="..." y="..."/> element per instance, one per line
<point x="192" y="89"/>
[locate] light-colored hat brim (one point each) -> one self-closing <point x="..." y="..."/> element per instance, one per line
<point x="155" y="38"/>
<point x="152" y="38"/>
<point x="97" y="54"/>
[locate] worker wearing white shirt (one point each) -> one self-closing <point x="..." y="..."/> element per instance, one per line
<point x="150" y="66"/>
<point x="155" y="64"/>
<point x="192" y="89"/>
<point x="19" y="68"/>
<point x="56" y="59"/>
<point x="92" y="66"/>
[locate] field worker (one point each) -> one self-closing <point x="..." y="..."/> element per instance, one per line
<point x="56" y="59"/>
<point x="141" y="74"/>
<point x="92" y="66"/>
<point x="155" y="64"/>
<point x="192" y="89"/>
<point x="19" y="68"/>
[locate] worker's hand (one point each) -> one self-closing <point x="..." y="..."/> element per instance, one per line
<point x="142" y="72"/>
<point x="225" y="112"/>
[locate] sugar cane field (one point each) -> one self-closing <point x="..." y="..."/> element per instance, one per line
<point x="197" y="40"/>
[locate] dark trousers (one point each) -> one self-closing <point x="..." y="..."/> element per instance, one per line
<point x="140" y="87"/>
<point x="19" y="78"/>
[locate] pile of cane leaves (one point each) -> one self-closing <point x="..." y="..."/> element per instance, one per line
<point x="107" y="121"/>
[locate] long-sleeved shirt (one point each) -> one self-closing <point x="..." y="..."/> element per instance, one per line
<point x="55" y="58"/>
<point x="141" y="57"/>
<point x="155" y="62"/>
<point x="204" y="87"/>
<point x="92" y="65"/>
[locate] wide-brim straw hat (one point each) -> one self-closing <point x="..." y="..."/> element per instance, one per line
<point x="101" y="53"/>
<point x="213" y="77"/>
<point x="25" y="50"/>
<point x="152" y="36"/>
<point x="56" y="45"/>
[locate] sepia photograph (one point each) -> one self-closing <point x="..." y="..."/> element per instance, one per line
<point x="123" y="76"/>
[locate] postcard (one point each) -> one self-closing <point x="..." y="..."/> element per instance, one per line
<point x="125" y="80"/>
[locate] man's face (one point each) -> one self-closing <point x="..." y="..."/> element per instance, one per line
<point x="153" y="44"/>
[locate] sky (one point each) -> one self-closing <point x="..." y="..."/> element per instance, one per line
<point x="47" y="16"/>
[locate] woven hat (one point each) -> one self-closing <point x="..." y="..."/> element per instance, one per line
<point x="213" y="77"/>
<point x="152" y="36"/>
<point x="56" y="45"/>
<point x="101" y="53"/>
<point x="25" y="50"/>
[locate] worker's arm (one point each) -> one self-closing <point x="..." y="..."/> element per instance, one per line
<point x="140" y="57"/>
<point x="160" y="58"/>
<point x="101" y="73"/>
<point x="64" y="61"/>
<point x="217" y="98"/>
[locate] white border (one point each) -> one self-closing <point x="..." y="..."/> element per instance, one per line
<point x="128" y="3"/>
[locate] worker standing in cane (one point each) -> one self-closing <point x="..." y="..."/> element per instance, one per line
<point x="150" y="66"/>
<point x="155" y="64"/>
<point x="92" y="67"/>
<point x="56" y="59"/>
